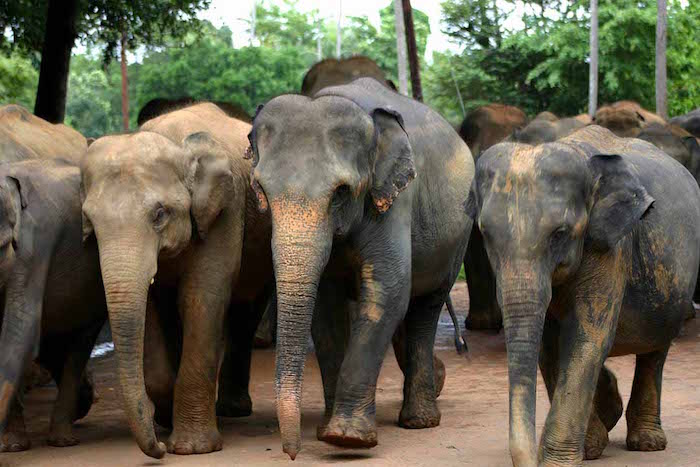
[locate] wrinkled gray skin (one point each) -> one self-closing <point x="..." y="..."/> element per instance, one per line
<point x="541" y="131"/>
<point x="350" y="224"/>
<point x="54" y="302"/>
<point x="595" y="244"/>
<point x="690" y="122"/>
<point x="180" y="241"/>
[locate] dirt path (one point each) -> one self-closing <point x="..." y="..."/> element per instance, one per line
<point x="474" y="405"/>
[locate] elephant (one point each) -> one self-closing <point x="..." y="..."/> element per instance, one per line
<point x="625" y="118"/>
<point x="24" y="136"/>
<point x="350" y="226"/>
<point x="180" y="241"/>
<point x="595" y="244"/>
<point x="690" y="122"/>
<point x="547" y="116"/>
<point x="490" y="124"/>
<point x="53" y="296"/>
<point x="541" y="131"/>
<point x="677" y="143"/>
<point x="333" y="72"/>
<point x="160" y="105"/>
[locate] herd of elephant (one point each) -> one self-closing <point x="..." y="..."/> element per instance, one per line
<point x="355" y="207"/>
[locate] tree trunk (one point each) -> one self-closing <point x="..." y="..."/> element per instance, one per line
<point x="593" y="70"/>
<point x="412" y="51"/>
<point x="339" y="30"/>
<point x="661" y="19"/>
<point x="401" y="47"/>
<point x="125" y="84"/>
<point x="55" y="60"/>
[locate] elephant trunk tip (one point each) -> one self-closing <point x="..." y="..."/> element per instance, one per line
<point x="156" y="450"/>
<point x="292" y="449"/>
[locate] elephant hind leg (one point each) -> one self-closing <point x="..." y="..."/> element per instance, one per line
<point x="644" y="432"/>
<point x="607" y="410"/>
<point x="424" y="372"/>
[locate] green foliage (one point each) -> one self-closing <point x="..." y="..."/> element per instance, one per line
<point x="18" y="80"/>
<point x="545" y="65"/>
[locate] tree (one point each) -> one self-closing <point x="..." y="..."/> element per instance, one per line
<point x="412" y="51"/>
<point x="401" y="53"/>
<point x="593" y="69"/>
<point x="52" y="26"/>
<point x="661" y="18"/>
<point x="18" y="80"/>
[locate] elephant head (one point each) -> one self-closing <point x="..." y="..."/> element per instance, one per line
<point x="144" y="198"/>
<point x="540" y="209"/>
<point x="322" y="167"/>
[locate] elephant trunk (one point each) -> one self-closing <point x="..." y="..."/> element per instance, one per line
<point x="299" y="259"/>
<point x="524" y="309"/>
<point x="127" y="271"/>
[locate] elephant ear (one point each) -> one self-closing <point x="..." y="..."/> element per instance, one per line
<point x="620" y="201"/>
<point x="18" y="197"/>
<point x="393" y="159"/>
<point x="88" y="229"/>
<point x="252" y="154"/>
<point x="209" y="179"/>
<point x="471" y="204"/>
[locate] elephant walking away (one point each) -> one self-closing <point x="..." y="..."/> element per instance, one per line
<point x="595" y="244"/>
<point x="181" y="243"/>
<point x="53" y="295"/>
<point x="351" y="225"/>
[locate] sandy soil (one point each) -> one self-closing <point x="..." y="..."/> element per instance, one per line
<point x="474" y="405"/>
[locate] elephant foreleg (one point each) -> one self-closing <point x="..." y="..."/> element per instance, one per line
<point x="644" y="432"/>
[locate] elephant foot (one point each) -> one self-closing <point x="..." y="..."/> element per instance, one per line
<point x="646" y="439"/>
<point x="86" y="397"/>
<point x="241" y="406"/>
<point x="355" y="432"/>
<point x="419" y="414"/>
<point x="14" y="442"/>
<point x="185" y="442"/>
<point x="483" y="320"/>
<point x="439" y="369"/>
<point x="62" y="437"/>
<point x="596" y="438"/>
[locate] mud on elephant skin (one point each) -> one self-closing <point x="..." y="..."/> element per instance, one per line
<point x="334" y="72"/>
<point x="337" y="174"/>
<point x="52" y="291"/>
<point x="170" y="208"/>
<point x="594" y="255"/>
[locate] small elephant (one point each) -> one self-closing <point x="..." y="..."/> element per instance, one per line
<point x="595" y="245"/>
<point x="53" y="295"/>
<point x="181" y="244"/>
<point x="489" y="125"/>
<point x="541" y="131"/>
<point x="359" y="246"/>
<point x="625" y="118"/>
<point x="334" y="72"/>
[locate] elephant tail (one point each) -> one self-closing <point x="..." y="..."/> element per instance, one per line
<point x="460" y="342"/>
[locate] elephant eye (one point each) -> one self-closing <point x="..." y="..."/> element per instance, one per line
<point x="341" y="195"/>
<point x="160" y="216"/>
<point x="560" y="235"/>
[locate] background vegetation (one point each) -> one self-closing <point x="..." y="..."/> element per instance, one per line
<point x="539" y="65"/>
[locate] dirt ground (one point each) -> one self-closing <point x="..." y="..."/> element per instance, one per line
<point x="473" y="431"/>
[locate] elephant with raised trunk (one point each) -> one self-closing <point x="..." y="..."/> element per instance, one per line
<point x="350" y="224"/>
<point x="177" y="229"/>
<point x="595" y="243"/>
<point x="54" y="305"/>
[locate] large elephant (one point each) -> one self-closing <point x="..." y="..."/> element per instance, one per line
<point x="626" y="118"/>
<point x="690" y="122"/>
<point x="349" y="224"/>
<point x="24" y="136"/>
<point x="179" y="238"/>
<point x="54" y="305"/>
<point x="160" y="105"/>
<point x="595" y="243"/>
<point x="334" y="72"/>
<point x="490" y="124"/>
